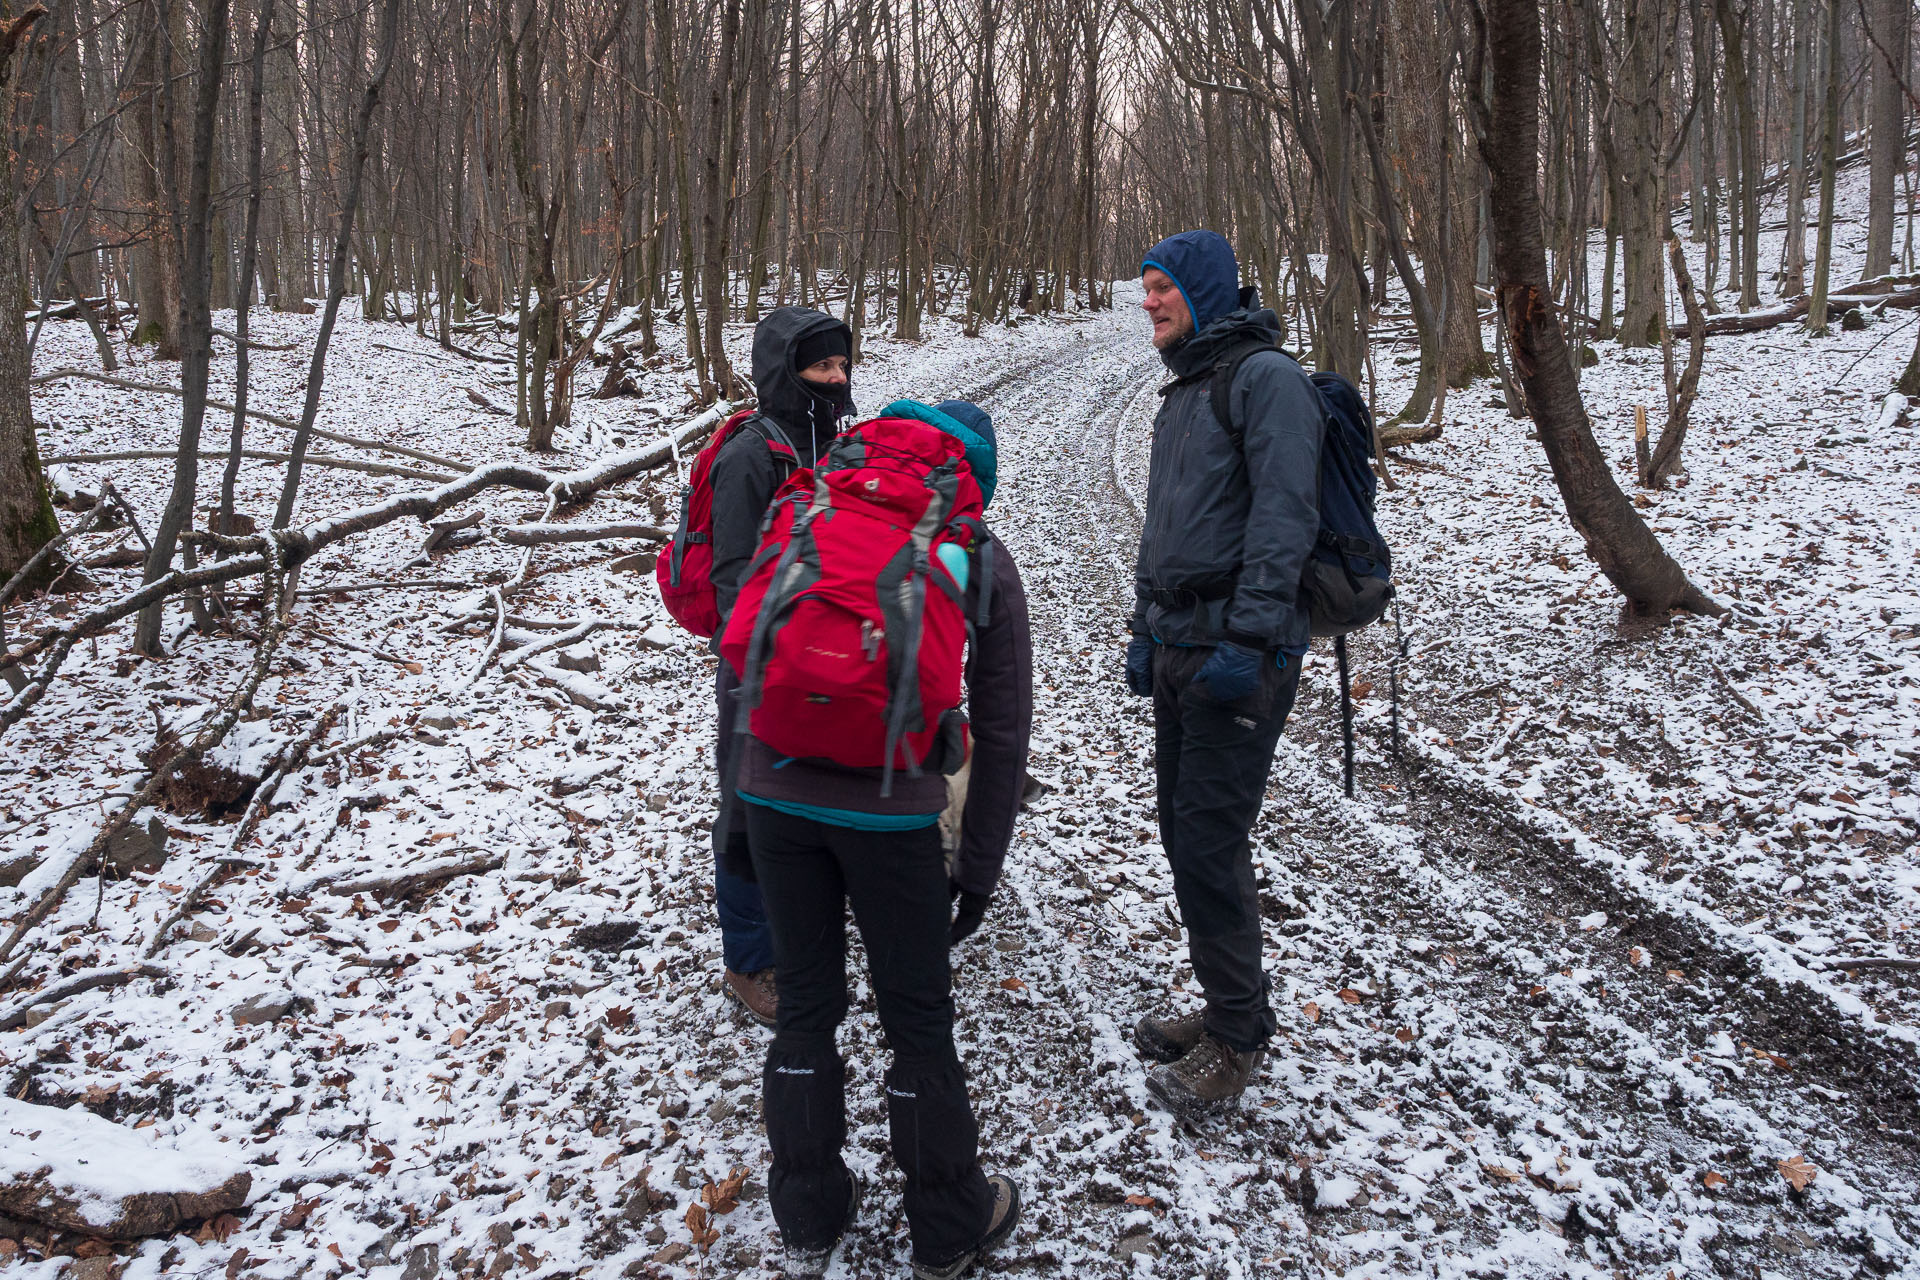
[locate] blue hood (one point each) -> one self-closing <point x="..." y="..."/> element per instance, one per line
<point x="1202" y="265"/>
<point x="966" y="422"/>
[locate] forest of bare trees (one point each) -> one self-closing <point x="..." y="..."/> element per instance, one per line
<point x="646" y="171"/>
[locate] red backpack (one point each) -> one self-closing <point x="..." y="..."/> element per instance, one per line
<point x="685" y="568"/>
<point x="850" y="633"/>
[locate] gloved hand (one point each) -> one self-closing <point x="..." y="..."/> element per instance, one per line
<point x="1140" y="666"/>
<point x="1232" y="671"/>
<point x="969" y="910"/>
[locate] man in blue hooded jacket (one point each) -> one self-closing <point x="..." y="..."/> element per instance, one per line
<point x="1218" y="633"/>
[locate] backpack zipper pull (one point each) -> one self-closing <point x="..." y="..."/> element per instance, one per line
<point x="870" y="638"/>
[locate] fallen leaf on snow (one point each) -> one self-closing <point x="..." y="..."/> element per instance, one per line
<point x="1142" y="1202"/>
<point x="457" y="1037"/>
<point x="700" y="1224"/>
<point x="1501" y="1171"/>
<point x="1013" y="984"/>
<point x="1798" y="1173"/>
<point x="725" y="1197"/>
<point x="217" y="1229"/>
<point x="1312" y="1011"/>
<point x="1712" y="1179"/>
<point x="1350" y="995"/>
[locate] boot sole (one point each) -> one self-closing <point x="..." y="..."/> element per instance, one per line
<point x="1185" y="1106"/>
<point x="966" y="1262"/>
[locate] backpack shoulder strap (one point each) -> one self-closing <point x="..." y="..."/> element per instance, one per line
<point x="775" y="437"/>
<point x="1224" y="371"/>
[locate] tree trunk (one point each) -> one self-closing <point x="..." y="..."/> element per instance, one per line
<point x="27" y="521"/>
<point x="1888" y="145"/>
<point x="1829" y="156"/>
<point x="153" y="259"/>
<point x="1746" y="195"/>
<point x="196" y="319"/>
<point x="1793" y="263"/>
<point x="1617" y="539"/>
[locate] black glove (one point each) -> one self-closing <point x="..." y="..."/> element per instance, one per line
<point x="1140" y="666"/>
<point x="1231" y="672"/>
<point x="969" y="909"/>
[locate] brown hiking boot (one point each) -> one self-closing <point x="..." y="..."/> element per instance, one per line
<point x="1005" y="1217"/>
<point x="757" y="993"/>
<point x="1210" y="1078"/>
<point x="1168" y="1039"/>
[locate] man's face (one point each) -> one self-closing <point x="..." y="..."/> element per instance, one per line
<point x="831" y="372"/>
<point x="1172" y="320"/>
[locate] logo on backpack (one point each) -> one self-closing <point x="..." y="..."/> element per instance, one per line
<point x="685" y="568"/>
<point x="850" y="630"/>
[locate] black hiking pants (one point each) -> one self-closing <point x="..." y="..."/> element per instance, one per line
<point x="1211" y="764"/>
<point x="896" y="882"/>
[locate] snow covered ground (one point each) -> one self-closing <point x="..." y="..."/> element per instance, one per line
<point x="1557" y="989"/>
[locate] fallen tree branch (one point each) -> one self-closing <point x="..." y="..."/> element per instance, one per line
<point x="261" y="455"/>
<point x="572" y="635"/>
<point x="381" y="446"/>
<point x="406" y="883"/>
<point x="85" y="980"/>
<point x="254" y="344"/>
<point x="439" y="531"/>
<point x="290" y="757"/>
<point x="1394" y="436"/>
<point x="1866" y="962"/>
<point x="1838" y="304"/>
<point x="298" y="546"/>
<point x="528" y="535"/>
<point x="210" y="736"/>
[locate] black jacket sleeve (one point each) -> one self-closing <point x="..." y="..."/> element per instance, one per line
<point x="1281" y="417"/>
<point x="1000" y="709"/>
<point x="744" y="478"/>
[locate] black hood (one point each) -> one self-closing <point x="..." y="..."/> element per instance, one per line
<point x="808" y="416"/>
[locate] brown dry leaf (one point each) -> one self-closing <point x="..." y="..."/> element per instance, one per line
<point x="1404" y="1035"/>
<point x="1312" y="1011"/>
<point x="1712" y="1179"/>
<point x="1774" y="1058"/>
<point x="725" y="1198"/>
<point x="1142" y="1202"/>
<point x="700" y="1224"/>
<point x="619" y="1016"/>
<point x="8" y="1247"/>
<point x="1501" y="1171"/>
<point x="613" y="1158"/>
<point x="1798" y="1173"/>
<point x="236" y="1264"/>
<point x="334" y="1249"/>
<point x="97" y="1094"/>
<point x="388" y="926"/>
<point x="1013" y="984"/>
<point x="217" y="1229"/>
<point x="1350" y="995"/>
<point x="413" y="668"/>
<point x="438" y="836"/>
<point x="92" y="1247"/>
<point x="1636" y="957"/>
<point x="1362" y="689"/>
<point x="495" y="1011"/>
<point x="296" y="1217"/>
<point x="457" y="1037"/>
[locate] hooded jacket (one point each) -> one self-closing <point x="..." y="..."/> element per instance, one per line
<point x="746" y="474"/>
<point x="1228" y="528"/>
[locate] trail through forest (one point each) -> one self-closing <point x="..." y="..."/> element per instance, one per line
<point x="481" y="1029"/>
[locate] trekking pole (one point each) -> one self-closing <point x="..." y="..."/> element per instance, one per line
<point x="1346" y="712"/>
<point x="1393" y="676"/>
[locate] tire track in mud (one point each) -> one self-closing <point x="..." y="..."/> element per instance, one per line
<point x="1565" y="1099"/>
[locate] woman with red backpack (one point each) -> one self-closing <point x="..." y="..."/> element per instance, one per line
<point x="801" y="375"/>
<point x="879" y="626"/>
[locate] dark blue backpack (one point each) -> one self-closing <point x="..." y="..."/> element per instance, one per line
<point x="1348" y="582"/>
<point x="1349" y="578"/>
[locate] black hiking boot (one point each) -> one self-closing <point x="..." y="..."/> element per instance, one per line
<point x="1166" y="1039"/>
<point x="1005" y="1217"/>
<point x="805" y="1264"/>
<point x="1209" y="1079"/>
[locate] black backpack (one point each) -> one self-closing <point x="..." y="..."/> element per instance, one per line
<point x="1348" y="582"/>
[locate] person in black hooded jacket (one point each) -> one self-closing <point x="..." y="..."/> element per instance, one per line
<point x="801" y="375"/>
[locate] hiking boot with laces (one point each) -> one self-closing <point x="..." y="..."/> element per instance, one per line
<point x="756" y="993"/>
<point x="1168" y="1039"/>
<point x="804" y="1264"/>
<point x="1210" y="1078"/>
<point x="1000" y="1225"/>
